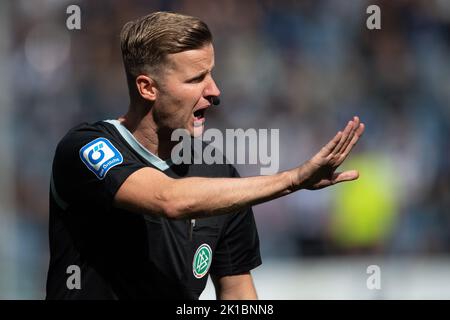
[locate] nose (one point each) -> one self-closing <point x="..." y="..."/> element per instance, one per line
<point x="211" y="89"/>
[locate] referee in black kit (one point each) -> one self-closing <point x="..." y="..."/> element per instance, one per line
<point x="137" y="226"/>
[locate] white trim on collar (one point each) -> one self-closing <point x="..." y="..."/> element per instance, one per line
<point x="139" y="148"/>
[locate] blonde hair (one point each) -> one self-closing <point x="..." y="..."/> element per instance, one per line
<point x="147" y="41"/>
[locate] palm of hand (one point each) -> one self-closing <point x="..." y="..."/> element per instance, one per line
<point x="319" y="171"/>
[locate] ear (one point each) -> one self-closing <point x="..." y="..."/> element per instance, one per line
<point x="146" y="87"/>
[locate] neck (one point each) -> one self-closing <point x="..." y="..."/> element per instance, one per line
<point x="140" y="122"/>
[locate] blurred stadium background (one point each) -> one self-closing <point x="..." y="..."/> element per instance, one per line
<point x="304" y="67"/>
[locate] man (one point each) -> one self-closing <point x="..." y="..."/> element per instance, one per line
<point x="125" y="222"/>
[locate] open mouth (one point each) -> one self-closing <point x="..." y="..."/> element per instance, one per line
<point x="199" y="114"/>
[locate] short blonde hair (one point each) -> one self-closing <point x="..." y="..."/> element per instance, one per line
<point x="147" y="41"/>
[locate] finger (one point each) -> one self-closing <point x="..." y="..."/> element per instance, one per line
<point x="345" y="176"/>
<point x="350" y="136"/>
<point x="345" y="134"/>
<point x="355" y="139"/>
<point x="330" y="145"/>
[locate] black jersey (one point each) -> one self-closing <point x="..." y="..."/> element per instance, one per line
<point x="125" y="255"/>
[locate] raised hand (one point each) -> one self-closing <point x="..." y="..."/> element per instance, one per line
<point x="319" y="171"/>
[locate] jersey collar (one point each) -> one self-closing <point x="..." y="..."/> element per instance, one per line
<point x="139" y="148"/>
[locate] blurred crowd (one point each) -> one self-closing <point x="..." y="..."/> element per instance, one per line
<point x="303" y="67"/>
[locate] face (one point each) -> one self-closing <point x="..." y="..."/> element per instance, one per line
<point x="185" y="90"/>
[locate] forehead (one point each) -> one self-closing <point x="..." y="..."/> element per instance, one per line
<point x="191" y="61"/>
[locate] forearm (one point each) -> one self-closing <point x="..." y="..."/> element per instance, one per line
<point x="199" y="197"/>
<point x="152" y="192"/>
<point x="248" y="293"/>
<point x="236" y="287"/>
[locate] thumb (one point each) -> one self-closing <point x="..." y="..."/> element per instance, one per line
<point x="345" y="176"/>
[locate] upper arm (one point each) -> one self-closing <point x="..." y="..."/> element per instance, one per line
<point x="93" y="170"/>
<point x="145" y="191"/>
<point x="235" y="287"/>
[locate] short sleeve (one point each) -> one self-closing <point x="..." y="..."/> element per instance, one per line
<point x="89" y="168"/>
<point x="237" y="250"/>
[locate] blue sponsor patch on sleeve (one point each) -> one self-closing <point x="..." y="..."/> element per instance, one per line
<point x="99" y="156"/>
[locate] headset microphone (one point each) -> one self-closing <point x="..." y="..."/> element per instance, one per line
<point x="215" y="101"/>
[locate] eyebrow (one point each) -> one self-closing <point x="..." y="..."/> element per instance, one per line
<point x="201" y="74"/>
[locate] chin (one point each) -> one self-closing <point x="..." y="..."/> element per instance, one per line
<point x="197" y="131"/>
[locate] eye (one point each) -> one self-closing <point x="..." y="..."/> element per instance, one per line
<point x="197" y="79"/>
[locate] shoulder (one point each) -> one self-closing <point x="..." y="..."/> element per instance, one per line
<point x="83" y="133"/>
<point x="91" y="144"/>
